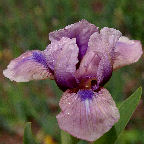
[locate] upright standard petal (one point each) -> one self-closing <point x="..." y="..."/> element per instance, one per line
<point x="127" y="52"/>
<point x="52" y="51"/>
<point x="98" y="60"/>
<point x="81" y="30"/>
<point x="31" y="65"/>
<point x="55" y="48"/>
<point x="105" y="41"/>
<point x="65" y="64"/>
<point x="87" y="114"/>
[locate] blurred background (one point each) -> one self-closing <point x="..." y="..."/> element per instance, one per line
<point x="25" y="25"/>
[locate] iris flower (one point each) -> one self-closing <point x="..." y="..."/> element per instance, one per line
<point x="81" y="59"/>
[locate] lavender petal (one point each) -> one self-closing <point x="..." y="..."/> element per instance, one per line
<point x="98" y="60"/>
<point x="65" y="64"/>
<point x="81" y="30"/>
<point x="127" y="52"/>
<point x="87" y="117"/>
<point x="31" y="65"/>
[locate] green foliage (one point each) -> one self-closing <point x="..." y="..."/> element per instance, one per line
<point x="28" y="137"/>
<point x="83" y="142"/>
<point x="67" y="139"/>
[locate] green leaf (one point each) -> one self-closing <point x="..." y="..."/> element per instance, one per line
<point x="67" y="138"/>
<point x="126" y="110"/>
<point x="28" y="137"/>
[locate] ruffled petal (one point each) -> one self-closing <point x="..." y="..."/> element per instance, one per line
<point x="127" y="52"/>
<point x="53" y="50"/>
<point x="105" y="41"/>
<point x="31" y="65"/>
<point x="65" y="64"/>
<point x="87" y="114"/>
<point x="98" y="60"/>
<point x="81" y="30"/>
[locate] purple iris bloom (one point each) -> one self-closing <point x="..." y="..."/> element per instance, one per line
<point x="81" y="59"/>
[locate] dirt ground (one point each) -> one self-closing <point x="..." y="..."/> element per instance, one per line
<point x="6" y="138"/>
